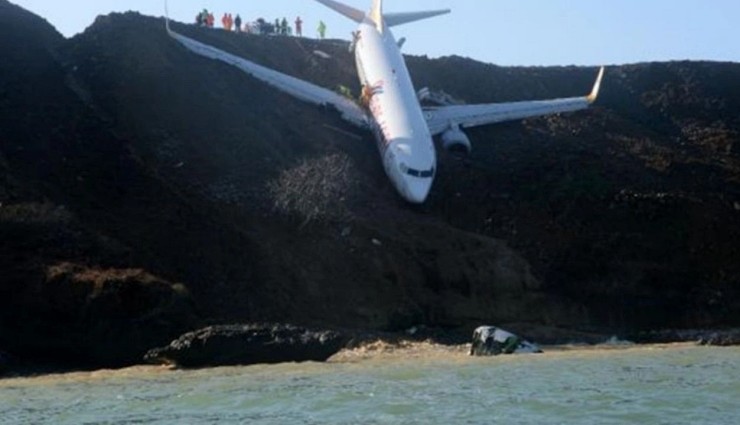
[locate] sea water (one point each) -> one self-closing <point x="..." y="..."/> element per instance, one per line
<point x="638" y="385"/>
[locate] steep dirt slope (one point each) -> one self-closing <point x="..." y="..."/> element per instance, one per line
<point x="631" y="208"/>
<point x="367" y="259"/>
<point x="68" y="292"/>
<point x="628" y="208"/>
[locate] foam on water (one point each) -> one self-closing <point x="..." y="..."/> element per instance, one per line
<point x="665" y="384"/>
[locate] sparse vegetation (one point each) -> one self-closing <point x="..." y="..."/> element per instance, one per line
<point x="316" y="189"/>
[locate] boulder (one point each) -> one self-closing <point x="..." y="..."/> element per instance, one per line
<point x="247" y="344"/>
<point x="492" y="341"/>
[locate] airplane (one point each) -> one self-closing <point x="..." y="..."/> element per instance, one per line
<point x="389" y="105"/>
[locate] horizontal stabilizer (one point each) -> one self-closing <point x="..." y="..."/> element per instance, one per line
<point x="394" y="19"/>
<point x="348" y="11"/>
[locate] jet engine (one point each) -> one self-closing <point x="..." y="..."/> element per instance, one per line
<point x="456" y="142"/>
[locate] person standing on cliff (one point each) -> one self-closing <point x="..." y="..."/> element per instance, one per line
<point x="322" y="30"/>
<point x="238" y="23"/>
<point x="284" y="26"/>
<point x="203" y="18"/>
<point x="299" y="27"/>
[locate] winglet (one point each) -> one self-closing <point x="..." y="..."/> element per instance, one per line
<point x="167" y="16"/>
<point x="597" y="87"/>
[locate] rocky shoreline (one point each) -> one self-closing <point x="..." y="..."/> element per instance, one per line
<point x="142" y="198"/>
<point x="249" y="344"/>
<point x="712" y="337"/>
<point x="228" y="345"/>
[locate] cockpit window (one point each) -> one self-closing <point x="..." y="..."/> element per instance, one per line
<point x="416" y="173"/>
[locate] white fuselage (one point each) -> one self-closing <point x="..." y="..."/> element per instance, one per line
<point x="403" y="137"/>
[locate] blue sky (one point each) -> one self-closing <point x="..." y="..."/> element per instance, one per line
<point x="514" y="32"/>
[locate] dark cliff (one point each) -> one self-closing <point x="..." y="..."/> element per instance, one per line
<point x="128" y="164"/>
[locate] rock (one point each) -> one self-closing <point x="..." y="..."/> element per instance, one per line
<point x="322" y="54"/>
<point x="225" y="345"/>
<point x="615" y="341"/>
<point x="492" y="341"/>
<point x="722" y="338"/>
<point x="95" y="317"/>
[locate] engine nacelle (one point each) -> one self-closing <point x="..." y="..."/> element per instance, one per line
<point x="456" y="142"/>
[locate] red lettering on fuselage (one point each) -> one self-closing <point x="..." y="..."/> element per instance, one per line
<point x="376" y="109"/>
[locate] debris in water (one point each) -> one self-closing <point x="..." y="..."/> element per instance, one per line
<point x="492" y="341"/>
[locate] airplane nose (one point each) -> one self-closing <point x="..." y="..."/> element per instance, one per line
<point x="417" y="190"/>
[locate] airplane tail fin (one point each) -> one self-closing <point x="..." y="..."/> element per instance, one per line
<point x="376" y="14"/>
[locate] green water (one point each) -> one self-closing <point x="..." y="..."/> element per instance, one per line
<point x="645" y="385"/>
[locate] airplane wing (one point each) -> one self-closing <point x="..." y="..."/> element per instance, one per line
<point x="440" y="119"/>
<point x="295" y="87"/>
